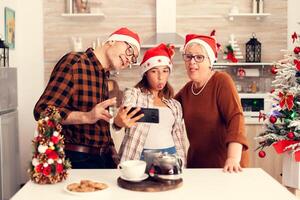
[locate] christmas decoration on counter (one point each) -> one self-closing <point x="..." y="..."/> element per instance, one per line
<point x="282" y="130"/>
<point x="48" y="163"/>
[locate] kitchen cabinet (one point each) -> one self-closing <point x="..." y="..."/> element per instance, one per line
<point x="272" y="163"/>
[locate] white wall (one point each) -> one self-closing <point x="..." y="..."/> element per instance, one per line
<point x="31" y="73"/>
<point x="293" y="19"/>
<point x="28" y="58"/>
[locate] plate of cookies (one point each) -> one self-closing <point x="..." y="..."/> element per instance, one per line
<point x="86" y="187"/>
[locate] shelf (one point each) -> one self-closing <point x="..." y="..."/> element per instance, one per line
<point x="224" y="65"/>
<point x="83" y="15"/>
<point x="243" y="64"/>
<point x="258" y="16"/>
<point x="198" y="16"/>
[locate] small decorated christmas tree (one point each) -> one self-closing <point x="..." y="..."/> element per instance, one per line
<point x="233" y="52"/>
<point x="282" y="125"/>
<point x="48" y="163"/>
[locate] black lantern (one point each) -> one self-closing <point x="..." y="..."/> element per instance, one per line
<point x="253" y="50"/>
<point x="4" y="54"/>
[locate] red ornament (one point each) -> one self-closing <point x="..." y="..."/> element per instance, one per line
<point x="51" y="124"/>
<point x="47" y="170"/>
<point x="272" y="90"/>
<point x="261" y="154"/>
<point x="51" y="154"/>
<point x="291" y="135"/>
<point x="39" y="168"/>
<point x="297" y="64"/>
<point x="59" y="167"/>
<point x="241" y="72"/>
<point x="297" y="50"/>
<point x="273" y="119"/>
<point x="274" y="70"/>
<point x="54" y="139"/>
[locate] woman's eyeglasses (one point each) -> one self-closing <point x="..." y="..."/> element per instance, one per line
<point x="189" y="57"/>
<point x="130" y="52"/>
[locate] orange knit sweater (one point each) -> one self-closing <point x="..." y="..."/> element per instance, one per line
<point x="213" y="119"/>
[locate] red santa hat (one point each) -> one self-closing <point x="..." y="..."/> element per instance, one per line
<point x="209" y="43"/>
<point x="157" y="56"/>
<point x="126" y="35"/>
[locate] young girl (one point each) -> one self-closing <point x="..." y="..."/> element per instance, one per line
<point x="153" y="91"/>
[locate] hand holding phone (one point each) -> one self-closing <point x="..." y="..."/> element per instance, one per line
<point x="151" y="115"/>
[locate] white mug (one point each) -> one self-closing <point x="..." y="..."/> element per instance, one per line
<point x="132" y="169"/>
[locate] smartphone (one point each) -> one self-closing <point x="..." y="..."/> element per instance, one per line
<point x="151" y="115"/>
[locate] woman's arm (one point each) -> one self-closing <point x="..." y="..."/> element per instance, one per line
<point x="234" y="154"/>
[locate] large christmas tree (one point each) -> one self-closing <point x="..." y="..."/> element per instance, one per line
<point x="48" y="163"/>
<point x="282" y="124"/>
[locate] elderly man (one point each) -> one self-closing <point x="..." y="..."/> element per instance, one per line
<point x="78" y="88"/>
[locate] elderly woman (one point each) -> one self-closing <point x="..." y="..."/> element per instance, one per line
<point x="212" y="110"/>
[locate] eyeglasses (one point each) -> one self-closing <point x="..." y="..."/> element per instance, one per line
<point x="130" y="52"/>
<point x="189" y="57"/>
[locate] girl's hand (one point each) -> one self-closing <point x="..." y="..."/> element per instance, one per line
<point x="126" y="119"/>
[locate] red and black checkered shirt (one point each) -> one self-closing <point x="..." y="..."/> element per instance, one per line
<point x="77" y="83"/>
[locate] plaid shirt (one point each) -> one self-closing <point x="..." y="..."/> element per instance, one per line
<point x="135" y="137"/>
<point x="77" y="83"/>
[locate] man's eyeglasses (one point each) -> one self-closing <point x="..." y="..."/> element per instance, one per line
<point x="189" y="57"/>
<point x="130" y="52"/>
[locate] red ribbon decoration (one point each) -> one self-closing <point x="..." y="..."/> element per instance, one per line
<point x="281" y="145"/>
<point x="262" y="116"/>
<point x="297" y="63"/>
<point x="294" y="36"/>
<point x="231" y="57"/>
<point x="286" y="100"/>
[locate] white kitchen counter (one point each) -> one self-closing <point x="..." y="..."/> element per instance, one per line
<point x="206" y="184"/>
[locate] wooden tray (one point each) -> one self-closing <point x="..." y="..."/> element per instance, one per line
<point x="150" y="185"/>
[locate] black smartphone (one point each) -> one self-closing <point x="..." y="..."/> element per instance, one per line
<point x="151" y="115"/>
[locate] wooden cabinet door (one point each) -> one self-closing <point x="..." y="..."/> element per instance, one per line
<point x="272" y="163"/>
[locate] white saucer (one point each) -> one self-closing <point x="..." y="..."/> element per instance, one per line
<point x="145" y="176"/>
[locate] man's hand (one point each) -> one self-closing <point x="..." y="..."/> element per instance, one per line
<point x="124" y="119"/>
<point x="100" y="112"/>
